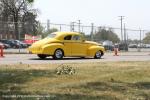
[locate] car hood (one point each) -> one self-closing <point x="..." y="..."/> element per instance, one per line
<point x="91" y="42"/>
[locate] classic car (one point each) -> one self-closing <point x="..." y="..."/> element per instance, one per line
<point x="66" y="44"/>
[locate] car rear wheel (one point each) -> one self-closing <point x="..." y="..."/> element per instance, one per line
<point x="42" y="56"/>
<point x="98" y="55"/>
<point x="58" y="54"/>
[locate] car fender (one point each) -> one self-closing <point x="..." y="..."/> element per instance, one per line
<point x="50" y="48"/>
<point x="93" y="49"/>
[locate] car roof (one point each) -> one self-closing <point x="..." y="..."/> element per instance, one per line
<point x="67" y="33"/>
<point x="61" y="35"/>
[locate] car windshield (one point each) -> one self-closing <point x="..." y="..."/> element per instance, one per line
<point x="52" y="35"/>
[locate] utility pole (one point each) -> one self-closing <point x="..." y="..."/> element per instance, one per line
<point x="79" y="22"/>
<point x="82" y="29"/>
<point x="92" y="29"/>
<point x="140" y="37"/>
<point x="72" y="26"/>
<point x="121" y="18"/>
<point x="60" y="28"/>
<point x="19" y="31"/>
<point x="125" y="37"/>
<point x="140" y="41"/>
<point x="48" y="24"/>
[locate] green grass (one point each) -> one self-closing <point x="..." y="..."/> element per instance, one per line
<point x="96" y="81"/>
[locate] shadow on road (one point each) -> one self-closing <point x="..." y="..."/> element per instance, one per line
<point x="63" y="58"/>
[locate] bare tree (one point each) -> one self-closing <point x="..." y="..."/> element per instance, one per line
<point x="17" y="9"/>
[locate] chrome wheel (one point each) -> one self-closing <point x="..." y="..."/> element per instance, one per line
<point x="58" y="54"/>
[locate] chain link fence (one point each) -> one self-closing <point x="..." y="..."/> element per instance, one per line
<point x="132" y="37"/>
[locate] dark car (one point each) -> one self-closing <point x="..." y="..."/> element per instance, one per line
<point x="10" y="42"/>
<point x="133" y="46"/>
<point x="5" y="46"/>
<point x="21" y="44"/>
<point x="109" y="47"/>
<point x="123" y="46"/>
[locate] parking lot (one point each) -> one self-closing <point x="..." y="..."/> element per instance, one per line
<point x="109" y="56"/>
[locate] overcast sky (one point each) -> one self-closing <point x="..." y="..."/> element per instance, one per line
<point x="99" y="12"/>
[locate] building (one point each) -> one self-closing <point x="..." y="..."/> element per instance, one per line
<point x="7" y="30"/>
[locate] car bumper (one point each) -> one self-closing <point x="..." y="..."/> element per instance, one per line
<point x="36" y="50"/>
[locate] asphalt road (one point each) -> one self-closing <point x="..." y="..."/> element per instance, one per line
<point x="33" y="59"/>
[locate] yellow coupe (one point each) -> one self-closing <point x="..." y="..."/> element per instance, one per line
<point x="66" y="44"/>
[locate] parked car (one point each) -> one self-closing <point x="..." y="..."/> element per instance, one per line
<point x="5" y="46"/>
<point x="60" y="44"/>
<point x="133" y="45"/>
<point x="21" y="44"/>
<point x="1" y="45"/>
<point x="123" y="46"/>
<point x="147" y="45"/>
<point x="10" y="42"/>
<point x="7" y="42"/>
<point x="29" y="42"/>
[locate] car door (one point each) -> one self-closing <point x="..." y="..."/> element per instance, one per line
<point x="67" y="45"/>
<point x="79" y="48"/>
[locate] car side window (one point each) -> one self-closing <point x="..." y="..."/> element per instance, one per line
<point x="68" y="37"/>
<point x="76" y="37"/>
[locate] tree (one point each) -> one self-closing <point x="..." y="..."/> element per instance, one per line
<point x="104" y="34"/>
<point x="16" y="9"/>
<point x="147" y="38"/>
<point x="88" y="37"/>
<point x="40" y="29"/>
<point x="29" y="23"/>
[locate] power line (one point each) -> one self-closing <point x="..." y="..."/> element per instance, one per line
<point x="86" y="26"/>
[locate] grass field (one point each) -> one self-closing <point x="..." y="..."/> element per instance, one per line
<point x="92" y="81"/>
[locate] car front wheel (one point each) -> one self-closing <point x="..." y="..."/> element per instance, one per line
<point x="58" y="54"/>
<point x="98" y="55"/>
